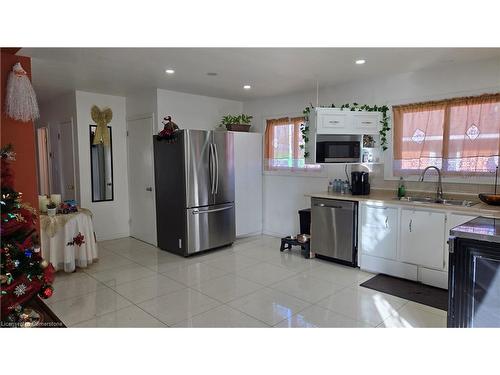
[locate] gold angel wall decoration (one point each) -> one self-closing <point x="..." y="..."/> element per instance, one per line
<point x="102" y="118"/>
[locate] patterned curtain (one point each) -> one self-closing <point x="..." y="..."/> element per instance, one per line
<point x="461" y="136"/>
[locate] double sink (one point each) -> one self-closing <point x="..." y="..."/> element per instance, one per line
<point x="446" y="202"/>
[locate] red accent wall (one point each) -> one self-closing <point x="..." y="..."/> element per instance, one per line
<point x="21" y="135"/>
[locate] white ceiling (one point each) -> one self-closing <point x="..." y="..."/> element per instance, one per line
<point x="270" y="71"/>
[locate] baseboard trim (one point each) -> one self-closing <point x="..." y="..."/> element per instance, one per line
<point x="274" y="234"/>
<point x="112" y="236"/>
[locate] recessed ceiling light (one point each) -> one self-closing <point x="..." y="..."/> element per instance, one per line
<point x="170" y="71"/>
<point x="247" y="87"/>
<point x="360" y="62"/>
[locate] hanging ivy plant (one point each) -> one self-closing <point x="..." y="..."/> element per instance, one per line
<point x="351" y="107"/>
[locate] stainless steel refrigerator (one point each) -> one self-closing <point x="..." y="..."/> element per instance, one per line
<point x="194" y="179"/>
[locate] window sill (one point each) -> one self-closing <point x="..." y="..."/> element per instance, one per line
<point x="301" y="173"/>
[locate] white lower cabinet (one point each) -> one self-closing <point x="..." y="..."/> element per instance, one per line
<point x="410" y="243"/>
<point x="379" y="231"/>
<point x="422" y="238"/>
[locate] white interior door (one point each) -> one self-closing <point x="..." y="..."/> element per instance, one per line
<point x="67" y="160"/>
<point x="141" y="179"/>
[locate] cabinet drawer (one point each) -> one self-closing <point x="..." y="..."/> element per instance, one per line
<point x="332" y="123"/>
<point x="366" y="123"/>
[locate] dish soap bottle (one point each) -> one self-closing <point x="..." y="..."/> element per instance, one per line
<point x="401" y="188"/>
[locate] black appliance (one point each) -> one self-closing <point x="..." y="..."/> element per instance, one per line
<point x="474" y="274"/>
<point x="338" y="149"/>
<point x="360" y="184"/>
<point x="305" y="221"/>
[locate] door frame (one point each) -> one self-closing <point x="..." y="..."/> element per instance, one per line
<point x="143" y="116"/>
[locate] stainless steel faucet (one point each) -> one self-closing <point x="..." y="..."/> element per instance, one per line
<point x="439" y="193"/>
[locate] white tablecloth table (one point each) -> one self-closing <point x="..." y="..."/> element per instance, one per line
<point x="58" y="231"/>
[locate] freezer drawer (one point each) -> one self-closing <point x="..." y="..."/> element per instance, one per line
<point x="210" y="227"/>
<point x="334" y="230"/>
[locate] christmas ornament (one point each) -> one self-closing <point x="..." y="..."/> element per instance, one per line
<point x="102" y="119"/>
<point x="44" y="264"/>
<point x="3" y="279"/>
<point x="20" y="98"/>
<point x="46" y="291"/>
<point x="20" y="290"/>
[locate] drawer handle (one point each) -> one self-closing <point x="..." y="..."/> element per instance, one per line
<point x="334" y="122"/>
<point x="409" y="224"/>
<point x="386" y="222"/>
<point x="366" y="122"/>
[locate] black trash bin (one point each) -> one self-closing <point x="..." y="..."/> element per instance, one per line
<point x="305" y="221"/>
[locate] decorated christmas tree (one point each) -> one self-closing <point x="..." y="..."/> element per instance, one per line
<point x="23" y="271"/>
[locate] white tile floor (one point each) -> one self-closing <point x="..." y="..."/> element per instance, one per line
<point x="250" y="284"/>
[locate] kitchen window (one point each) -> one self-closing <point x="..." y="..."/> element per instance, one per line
<point x="461" y="136"/>
<point x="282" y="148"/>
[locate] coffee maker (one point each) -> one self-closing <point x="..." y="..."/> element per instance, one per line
<point x="360" y="184"/>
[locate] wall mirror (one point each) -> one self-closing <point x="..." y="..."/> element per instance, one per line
<point x="101" y="167"/>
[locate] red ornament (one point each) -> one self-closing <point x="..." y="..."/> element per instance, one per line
<point x="46" y="291"/>
<point x="49" y="274"/>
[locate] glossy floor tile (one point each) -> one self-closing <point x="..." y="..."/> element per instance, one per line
<point x="178" y="306"/>
<point x="227" y="288"/>
<point x="362" y="304"/>
<point x="222" y="316"/>
<point x="269" y="305"/>
<point x="129" y="317"/>
<point x="319" y="317"/>
<point x="265" y="273"/>
<point x="414" y="315"/>
<point x="123" y="274"/>
<point x="88" y="306"/>
<point x="150" y="287"/>
<point x="307" y="287"/>
<point x="248" y="284"/>
<point x="191" y="274"/>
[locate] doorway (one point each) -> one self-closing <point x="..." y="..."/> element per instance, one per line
<point x="140" y="130"/>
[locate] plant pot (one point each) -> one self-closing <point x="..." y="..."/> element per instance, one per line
<point x="238" y="127"/>
<point x="51" y="211"/>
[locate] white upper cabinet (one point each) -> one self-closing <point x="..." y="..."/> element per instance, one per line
<point x="336" y="121"/>
<point x="366" y="122"/>
<point x="422" y="238"/>
<point x="333" y="123"/>
<point x="379" y="230"/>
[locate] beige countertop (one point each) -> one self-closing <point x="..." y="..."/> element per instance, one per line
<point x="389" y="197"/>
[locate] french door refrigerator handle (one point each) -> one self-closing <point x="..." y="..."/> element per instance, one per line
<point x="216" y="152"/>
<point x="212" y="168"/>
<point x="197" y="212"/>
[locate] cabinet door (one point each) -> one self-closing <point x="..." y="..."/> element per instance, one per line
<point x="366" y="123"/>
<point x="333" y="123"/>
<point x="422" y="238"/>
<point x="379" y="231"/>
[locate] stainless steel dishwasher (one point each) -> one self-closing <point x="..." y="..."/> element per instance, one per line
<point x="334" y="230"/>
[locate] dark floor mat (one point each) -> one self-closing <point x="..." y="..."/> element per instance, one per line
<point x="411" y="290"/>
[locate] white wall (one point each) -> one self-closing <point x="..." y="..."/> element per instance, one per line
<point x="194" y="111"/>
<point x="111" y="219"/>
<point x="284" y="192"/>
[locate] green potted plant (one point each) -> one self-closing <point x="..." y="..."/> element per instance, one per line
<point x="237" y="123"/>
<point x="51" y="209"/>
